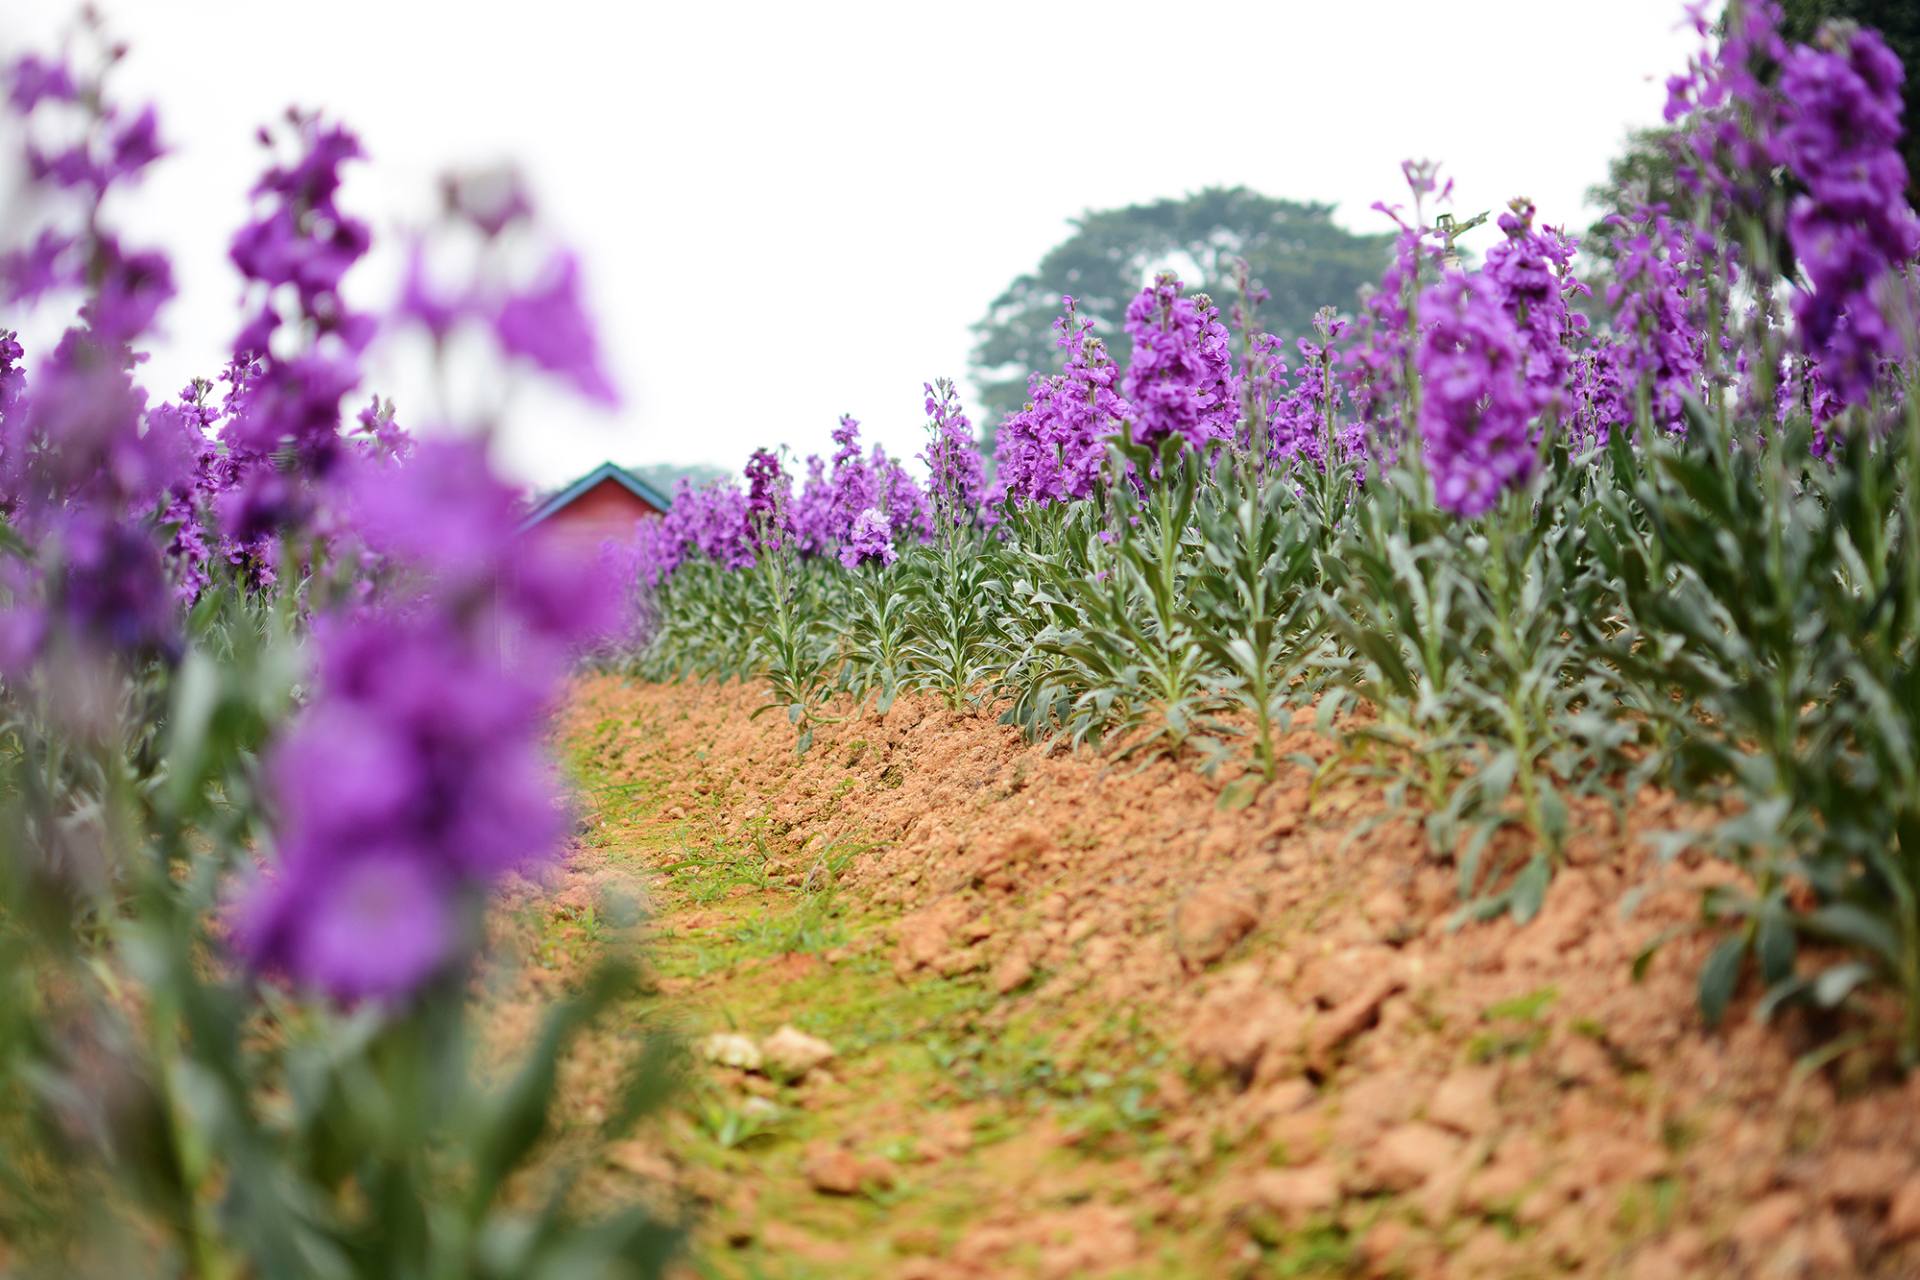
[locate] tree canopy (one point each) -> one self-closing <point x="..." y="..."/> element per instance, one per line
<point x="1295" y="251"/>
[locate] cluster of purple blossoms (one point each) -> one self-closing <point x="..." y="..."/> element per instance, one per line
<point x="1476" y="406"/>
<point x="957" y="472"/>
<point x="838" y="493"/>
<point x="1599" y="391"/>
<point x="1051" y="451"/>
<point x="1301" y="407"/>
<point x="1727" y="113"/>
<point x="1852" y="229"/>
<point x="1657" y="330"/>
<point x="769" y="498"/>
<point x="711" y="520"/>
<point x="856" y="510"/>
<point x="1533" y="269"/>
<point x="283" y="428"/>
<point x="85" y="469"/>
<point x="1180" y="381"/>
<point x="1827" y="118"/>
<point x="869" y="541"/>
<point x="1379" y="362"/>
<point x="416" y="778"/>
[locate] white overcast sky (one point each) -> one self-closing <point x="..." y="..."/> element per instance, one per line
<point x="789" y="211"/>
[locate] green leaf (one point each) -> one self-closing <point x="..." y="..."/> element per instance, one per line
<point x="1718" y="978"/>
<point x="1239" y="793"/>
<point x="1844" y="922"/>
<point x="1837" y="983"/>
<point x="1530" y="889"/>
<point x="1774" y="945"/>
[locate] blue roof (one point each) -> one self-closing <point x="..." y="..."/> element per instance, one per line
<point x="605" y="471"/>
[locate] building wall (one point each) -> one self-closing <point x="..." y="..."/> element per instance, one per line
<point x="606" y="511"/>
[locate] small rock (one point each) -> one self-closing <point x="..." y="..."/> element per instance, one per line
<point x="1766" y="1223"/>
<point x="1385" y="1247"/>
<point x="835" y="1171"/>
<point x="1903" y="1215"/>
<point x="1828" y="1249"/>
<point x="1012" y="972"/>
<point x="926" y="935"/>
<point x="641" y="1160"/>
<point x="1209" y="920"/>
<point x="792" y="1053"/>
<point x="1388" y="912"/>
<point x="731" y="1049"/>
<point x="832" y="1170"/>
<point x="1407" y="1156"/>
<point x="1581" y="1061"/>
<point x="1864" y="1177"/>
<point x="1235" y="1028"/>
<point x="1465" y="1101"/>
<point x="1350" y="1019"/>
<point x="1296" y="1193"/>
<point x="964" y="960"/>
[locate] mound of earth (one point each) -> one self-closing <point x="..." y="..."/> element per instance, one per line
<point x="1062" y="1016"/>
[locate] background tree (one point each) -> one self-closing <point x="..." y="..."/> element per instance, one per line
<point x="1641" y="174"/>
<point x="1295" y="250"/>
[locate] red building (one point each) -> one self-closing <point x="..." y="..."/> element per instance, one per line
<point x="600" y="506"/>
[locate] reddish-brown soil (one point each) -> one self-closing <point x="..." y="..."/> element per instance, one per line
<point x="1338" y="1076"/>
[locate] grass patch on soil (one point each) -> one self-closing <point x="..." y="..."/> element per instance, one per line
<point x="973" y="1111"/>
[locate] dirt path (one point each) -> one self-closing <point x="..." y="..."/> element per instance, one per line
<point x="1084" y="1022"/>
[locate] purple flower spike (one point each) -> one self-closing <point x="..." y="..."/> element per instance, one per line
<point x="1475" y="405"/>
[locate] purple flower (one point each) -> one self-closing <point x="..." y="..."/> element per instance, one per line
<point x="1726" y="114"/>
<point x="1378" y="362"/>
<point x="769" y="497"/>
<point x="1299" y="416"/>
<point x="1180" y="379"/>
<point x="32" y="80"/>
<point x="1851" y="229"/>
<point x="111" y="591"/>
<point x="1658" y="278"/>
<point x="870" y="541"/>
<point x="421" y="303"/>
<point x="50" y="262"/>
<point x="958" y="473"/>
<point x="13" y="378"/>
<point x="301" y="237"/>
<point x="416" y="777"/>
<point x="709" y="521"/>
<point x="381" y="925"/>
<point x="548" y="325"/>
<point x="1533" y="269"/>
<point x="1475" y="404"/>
<point x="1051" y="451"/>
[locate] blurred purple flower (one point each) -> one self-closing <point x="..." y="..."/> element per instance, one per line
<point x="32" y="80"/>
<point x="1851" y="229"/>
<point x="548" y="325"/>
